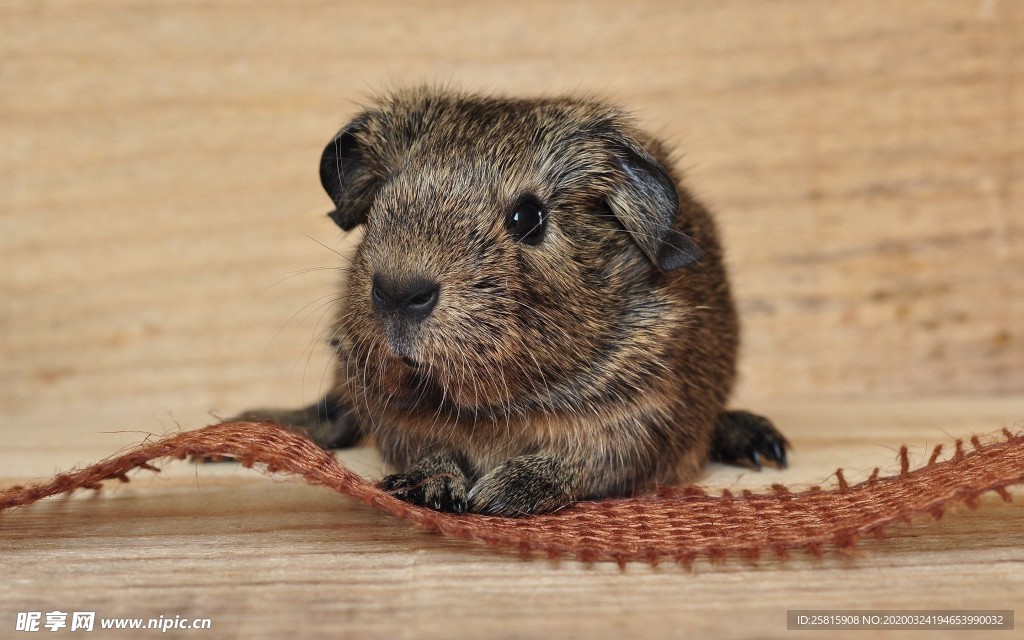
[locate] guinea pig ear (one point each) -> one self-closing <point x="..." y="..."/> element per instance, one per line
<point x="346" y="177"/>
<point x="645" y="201"/>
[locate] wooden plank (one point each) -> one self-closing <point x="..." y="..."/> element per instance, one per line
<point x="864" y="161"/>
<point x="262" y="558"/>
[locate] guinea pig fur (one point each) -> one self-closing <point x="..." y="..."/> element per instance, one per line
<point x="538" y="311"/>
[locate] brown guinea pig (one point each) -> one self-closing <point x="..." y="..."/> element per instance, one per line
<point x="538" y="312"/>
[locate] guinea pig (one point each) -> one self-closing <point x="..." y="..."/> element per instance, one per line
<point x="537" y="313"/>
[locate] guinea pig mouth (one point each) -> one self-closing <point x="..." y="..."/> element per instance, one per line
<point x="402" y="342"/>
<point x="428" y="385"/>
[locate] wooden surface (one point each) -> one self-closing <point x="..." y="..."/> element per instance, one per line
<point x="264" y="558"/>
<point x="165" y="255"/>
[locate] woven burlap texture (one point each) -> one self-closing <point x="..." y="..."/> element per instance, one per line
<point x="678" y="524"/>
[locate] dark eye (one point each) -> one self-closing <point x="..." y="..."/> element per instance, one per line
<point x="527" y="220"/>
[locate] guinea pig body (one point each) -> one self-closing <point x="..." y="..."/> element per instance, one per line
<point x="537" y="313"/>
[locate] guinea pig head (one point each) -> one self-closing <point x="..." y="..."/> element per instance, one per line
<point x="511" y="250"/>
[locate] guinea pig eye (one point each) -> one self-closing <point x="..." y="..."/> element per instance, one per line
<point x="527" y="220"/>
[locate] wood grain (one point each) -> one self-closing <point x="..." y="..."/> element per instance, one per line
<point x="165" y="255"/>
<point x="264" y="559"/>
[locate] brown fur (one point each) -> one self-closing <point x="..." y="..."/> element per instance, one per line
<point x="587" y="366"/>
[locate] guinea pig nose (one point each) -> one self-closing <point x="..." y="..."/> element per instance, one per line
<point x="414" y="299"/>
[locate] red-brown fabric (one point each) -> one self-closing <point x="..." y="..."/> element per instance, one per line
<point x="677" y="523"/>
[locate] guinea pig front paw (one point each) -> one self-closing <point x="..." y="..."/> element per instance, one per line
<point x="744" y="438"/>
<point x="523" y="486"/>
<point x="440" y="490"/>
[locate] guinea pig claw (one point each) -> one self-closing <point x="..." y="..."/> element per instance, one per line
<point x="397" y="485"/>
<point x="755" y="458"/>
<point x="437" y="491"/>
<point x="779" y="454"/>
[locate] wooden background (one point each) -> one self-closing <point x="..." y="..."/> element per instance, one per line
<point x="162" y="239"/>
